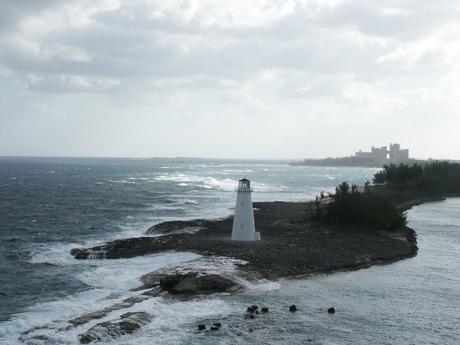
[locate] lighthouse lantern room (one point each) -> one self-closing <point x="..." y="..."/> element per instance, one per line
<point x="243" y="222"/>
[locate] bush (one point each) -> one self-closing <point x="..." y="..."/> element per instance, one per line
<point x="348" y="206"/>
<point x="435" y="178"/>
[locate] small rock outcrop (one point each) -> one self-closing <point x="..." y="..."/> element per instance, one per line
<point x="98" y="314"/>
<point x="128" y="323"/>
<point x="186" y="283"/>
<point x="195" y="283"/>
<point x="177" y="227"/>
<point x="331" y="310"/>
<point x="293" y="308"/>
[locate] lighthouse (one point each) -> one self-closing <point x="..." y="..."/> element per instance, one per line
<point x="243" y="222"/>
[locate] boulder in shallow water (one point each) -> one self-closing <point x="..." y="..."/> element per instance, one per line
<point x="331" y="310"/>
<point x="293" y="308"/>
<point x="152" y="280"/>
<point x="193" y="283"/>
<point x="250" y="310"/>
<point x="128" y="323"/>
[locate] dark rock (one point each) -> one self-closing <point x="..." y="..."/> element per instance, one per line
<point x="293" y="308"/>
<point x="254" y="307"/>
<point x="79" y="253"/>
<point x="201" y="327"/>
<point x="331" y="310"/>
<point x="41" y="337"/>
<point x="85" y="318"/>
<point x="194" y="283"/>
<point x="128" y="248"/>
<point x="264" y="310"/>
<point x="151" y="280"/>
<point x="128" y="323"/>
<point x="214" y="328"/>
<point x="177" y="227"/>
<point x="99" y="314"/>
<point x="218" y="324"/>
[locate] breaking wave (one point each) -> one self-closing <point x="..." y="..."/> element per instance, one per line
<point x="209" y="182"/>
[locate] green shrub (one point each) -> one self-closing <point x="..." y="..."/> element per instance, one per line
<point x="348" y="206"/>
<point x="434" y="178"/>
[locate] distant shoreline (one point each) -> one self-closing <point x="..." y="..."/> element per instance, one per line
<point x="350" y="161"/>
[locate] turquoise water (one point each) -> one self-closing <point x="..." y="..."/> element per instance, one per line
<point x="52" y="205"/>
<point x="414" y="301"/>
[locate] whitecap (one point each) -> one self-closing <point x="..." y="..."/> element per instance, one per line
<point x="122" y="181"/>
<point x="207" y="182"/>
<point x="108" y="279"/>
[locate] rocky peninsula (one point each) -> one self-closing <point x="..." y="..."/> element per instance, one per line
<point x="292" y="245"/>
<point x="354" y="228"/>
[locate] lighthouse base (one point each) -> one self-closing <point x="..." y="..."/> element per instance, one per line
<point x="243" y="222"/>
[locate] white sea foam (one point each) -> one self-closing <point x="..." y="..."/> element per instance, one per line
<point x="209" y="182"/>
<point x="139" y="178"/>
<point x="111" y="281"/>
<point x="220" y="265"/>
<point x="57" y="254"/>
<point x="107" y="278"/>
<point x="260" y="285"/>
<point x="122" y="181"/>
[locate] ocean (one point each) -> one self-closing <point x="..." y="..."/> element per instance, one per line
<point x="51" y="205"/>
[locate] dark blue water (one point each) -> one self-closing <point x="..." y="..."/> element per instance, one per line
<point x="49" y="205"/>
<point x="46" y="201"/>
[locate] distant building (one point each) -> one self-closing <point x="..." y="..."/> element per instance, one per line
<point x="398" y="155"/>
<point x="381" y="155"/>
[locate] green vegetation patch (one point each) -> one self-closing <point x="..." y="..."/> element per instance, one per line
<point x="434" y="178"/>
<point x="348" y="206"/>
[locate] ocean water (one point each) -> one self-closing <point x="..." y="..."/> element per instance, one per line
<point x="49" y="206"/>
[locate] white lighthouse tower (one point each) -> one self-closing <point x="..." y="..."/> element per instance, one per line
<point x="243" y="222"/>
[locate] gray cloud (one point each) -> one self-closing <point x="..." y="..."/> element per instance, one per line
<point x="259" y="62"/>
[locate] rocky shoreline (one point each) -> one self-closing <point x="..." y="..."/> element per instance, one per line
<point x="291" y="245"/>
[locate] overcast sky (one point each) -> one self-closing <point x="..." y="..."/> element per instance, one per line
<point x="229" y="79"/>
